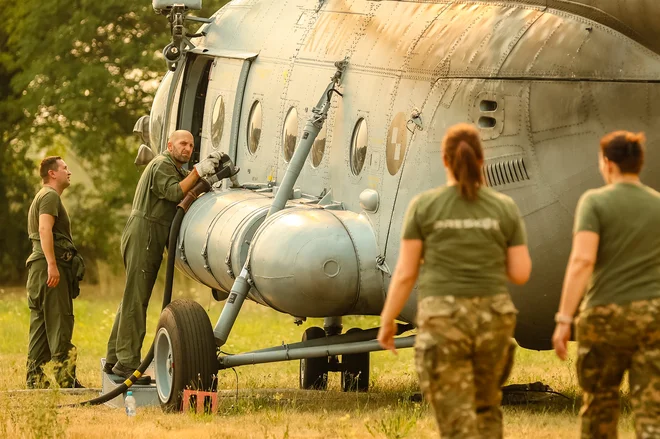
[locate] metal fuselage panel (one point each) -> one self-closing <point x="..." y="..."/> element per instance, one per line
<point x="543" y="84"/>
<point x="635" y="19"/>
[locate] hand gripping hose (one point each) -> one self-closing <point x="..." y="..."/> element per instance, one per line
<point x="203" y="185"/>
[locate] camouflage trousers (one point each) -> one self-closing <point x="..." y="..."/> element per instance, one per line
<point x="464" y="353"/>
<point x="612" y="339"/>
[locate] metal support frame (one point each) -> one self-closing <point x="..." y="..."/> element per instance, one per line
<point x="365" y="335"/>
<point x="353" y="343"/>
<point x="241" y="287"/>
<point x="287" y="352"/>
<point x="237" y="295"/>
<point x="311" y="130"/>
<point x="333" y="325"/>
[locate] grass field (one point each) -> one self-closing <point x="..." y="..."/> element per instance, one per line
<point x="268" y="403"/>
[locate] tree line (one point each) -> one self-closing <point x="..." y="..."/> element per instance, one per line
<point x="74" y="78"/>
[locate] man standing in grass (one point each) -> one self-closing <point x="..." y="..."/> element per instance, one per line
<point x="54" y="268"/>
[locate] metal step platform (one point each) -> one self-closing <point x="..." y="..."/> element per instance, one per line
<point x="145" y="395"/>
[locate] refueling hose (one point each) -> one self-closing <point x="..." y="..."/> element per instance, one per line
<point x="201" y="187"/>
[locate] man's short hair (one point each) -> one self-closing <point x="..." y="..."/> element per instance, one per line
<point x="48" y="164"/>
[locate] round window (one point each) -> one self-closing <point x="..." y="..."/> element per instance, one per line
<point x="290" y="134"/>
<point x="397" y="141"/>
<point x="218" y="124"/>
<point x="359" y="146"/>
<point x="318" y="149"/>
<point x="254" y="127"/>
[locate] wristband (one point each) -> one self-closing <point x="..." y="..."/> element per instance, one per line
<point x="562" y="318"/>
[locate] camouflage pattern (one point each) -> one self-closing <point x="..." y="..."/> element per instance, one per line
<point x="464" y="353"/>
<point x="612" y="339"/>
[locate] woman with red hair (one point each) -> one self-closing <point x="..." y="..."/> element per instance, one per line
<point x="467" y="240"/>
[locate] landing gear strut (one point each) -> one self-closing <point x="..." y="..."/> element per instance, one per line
<point x="354" y="368"/>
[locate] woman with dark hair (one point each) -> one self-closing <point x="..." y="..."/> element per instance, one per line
<point x="467" y="240"/>
<point x="616" y="259"/>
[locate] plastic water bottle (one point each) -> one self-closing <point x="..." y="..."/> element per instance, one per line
<point x="129" y="403"/>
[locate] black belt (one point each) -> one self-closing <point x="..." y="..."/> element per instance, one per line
<point x="60" y="254"/>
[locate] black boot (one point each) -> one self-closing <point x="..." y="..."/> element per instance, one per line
<point x="126" y="372"/>
<point x="107" y="368"/>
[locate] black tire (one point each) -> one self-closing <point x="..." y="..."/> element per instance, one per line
<point x="314" y="371"/>
<point x="185" y="338"/>
<point x="355" y="370"/>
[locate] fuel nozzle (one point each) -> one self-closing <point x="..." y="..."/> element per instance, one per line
<point x="225" y="169"/>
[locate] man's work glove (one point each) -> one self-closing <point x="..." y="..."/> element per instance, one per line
<point x="225" y="170"/>
<point x="209" y="164"/>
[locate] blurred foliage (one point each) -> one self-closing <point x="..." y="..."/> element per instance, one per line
<point x="15" y="167"/>
<point x="74" y="78"/>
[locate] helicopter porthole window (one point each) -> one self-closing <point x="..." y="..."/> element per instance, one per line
<point x="318" y="149"/>
<point x="254" y="127"/>
<point x="218" y="124"/>
<point x="290" y="134"/>
<point x="359" y="146"/>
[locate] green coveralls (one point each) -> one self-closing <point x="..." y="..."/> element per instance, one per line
<point x="143" y="241"/>
<point x="51" y="309"/>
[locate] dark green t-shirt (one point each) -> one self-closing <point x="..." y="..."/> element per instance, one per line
<point x="626" y="218"/>
<point x="465" y="242"/>
<point x="48" y="201"/>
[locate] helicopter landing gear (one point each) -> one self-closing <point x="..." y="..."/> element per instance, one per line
<point x="314" y="371"/>
<point x="185" y="353"/>
<point x="355" y="370"/>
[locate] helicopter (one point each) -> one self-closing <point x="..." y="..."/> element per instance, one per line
<point x="334" y="111"/>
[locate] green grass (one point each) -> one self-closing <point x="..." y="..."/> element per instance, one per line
<point x="269" y="404"/>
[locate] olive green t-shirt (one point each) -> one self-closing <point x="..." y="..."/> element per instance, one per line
<point x="465" y="242"/>
<point x="48" y="201"/>
<point x="626" y="216"/>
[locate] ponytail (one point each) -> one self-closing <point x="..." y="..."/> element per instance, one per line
<point x="467" y="171"/>
<point x="463" y="152"/>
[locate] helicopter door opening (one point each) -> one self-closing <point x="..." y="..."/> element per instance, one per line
<point x="193" y="100"/>
<point x="224" y="100"/>
<point x="211" y="100"/>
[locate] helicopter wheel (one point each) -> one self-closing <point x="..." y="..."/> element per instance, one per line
<point x="185" y="353"/>
<point x="314" y="371"/>
<point x="355" y="370"/>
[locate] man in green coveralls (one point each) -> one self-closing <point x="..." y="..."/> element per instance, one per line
<point x="162" y="186"/>
<point x="54" y="269"/>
